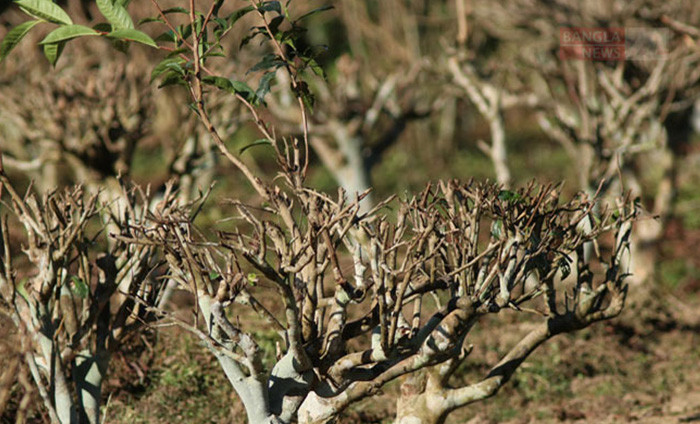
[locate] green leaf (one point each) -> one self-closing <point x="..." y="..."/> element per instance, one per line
<point x="102" y="27"/>
<point x="165" y="12"/>
<point x="314" y="11"/>
<point x="46" y="10"/>
<point x="80" y="288"/>
<point x="316" y="68"/>
<point x="169" y="64"/>
<point x="238" y="14"/>
<point x="232" y="86"/>
<point x="129" y="34"/>
<point x="497" y="228"/>
<point x="275" y="24"/>
<point x="172" y="78"/>
<point x="53" y="51"/>
<point x="149" y="20"/>
<point x="67" y="32"/>
<point x="258" y="31"/>
<point x="509" y="196"/>
<point x="167" y="37"/>
<point x="270" y="6"/>
<point x="259" y="142"/>
<point x="309" y="99"/>
<point x="252" y="278"/>
<point x="219" y="28"/>
<point x="291" y="35"/>
<point x="176" y="10"/>
<point x="264" y="86"/>
<point x="219" y="82"/>
<point x="303" y="92"/>
<point x="178" y="53"/>
<point x="268" y="61"/>
<point x="244" y="90"/>
<point x="185" y="31"/>
<point x="116" y="14"/>
<point x="14" y="36"/>
<point x="121" y="45"/>
<point x="213" y="54"/>
<point x="217" y="7"/>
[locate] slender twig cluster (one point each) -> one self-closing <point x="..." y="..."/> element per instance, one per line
<point x="369" y="297"/>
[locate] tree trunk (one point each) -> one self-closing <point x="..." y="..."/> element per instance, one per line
<point x="421" y="401"/>
<point x="317" y="410"/>
<point x="89" y="372"/>
<point x="353" y="175"/>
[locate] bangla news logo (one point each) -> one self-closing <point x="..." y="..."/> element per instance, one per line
<point x="613" y="44"/>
